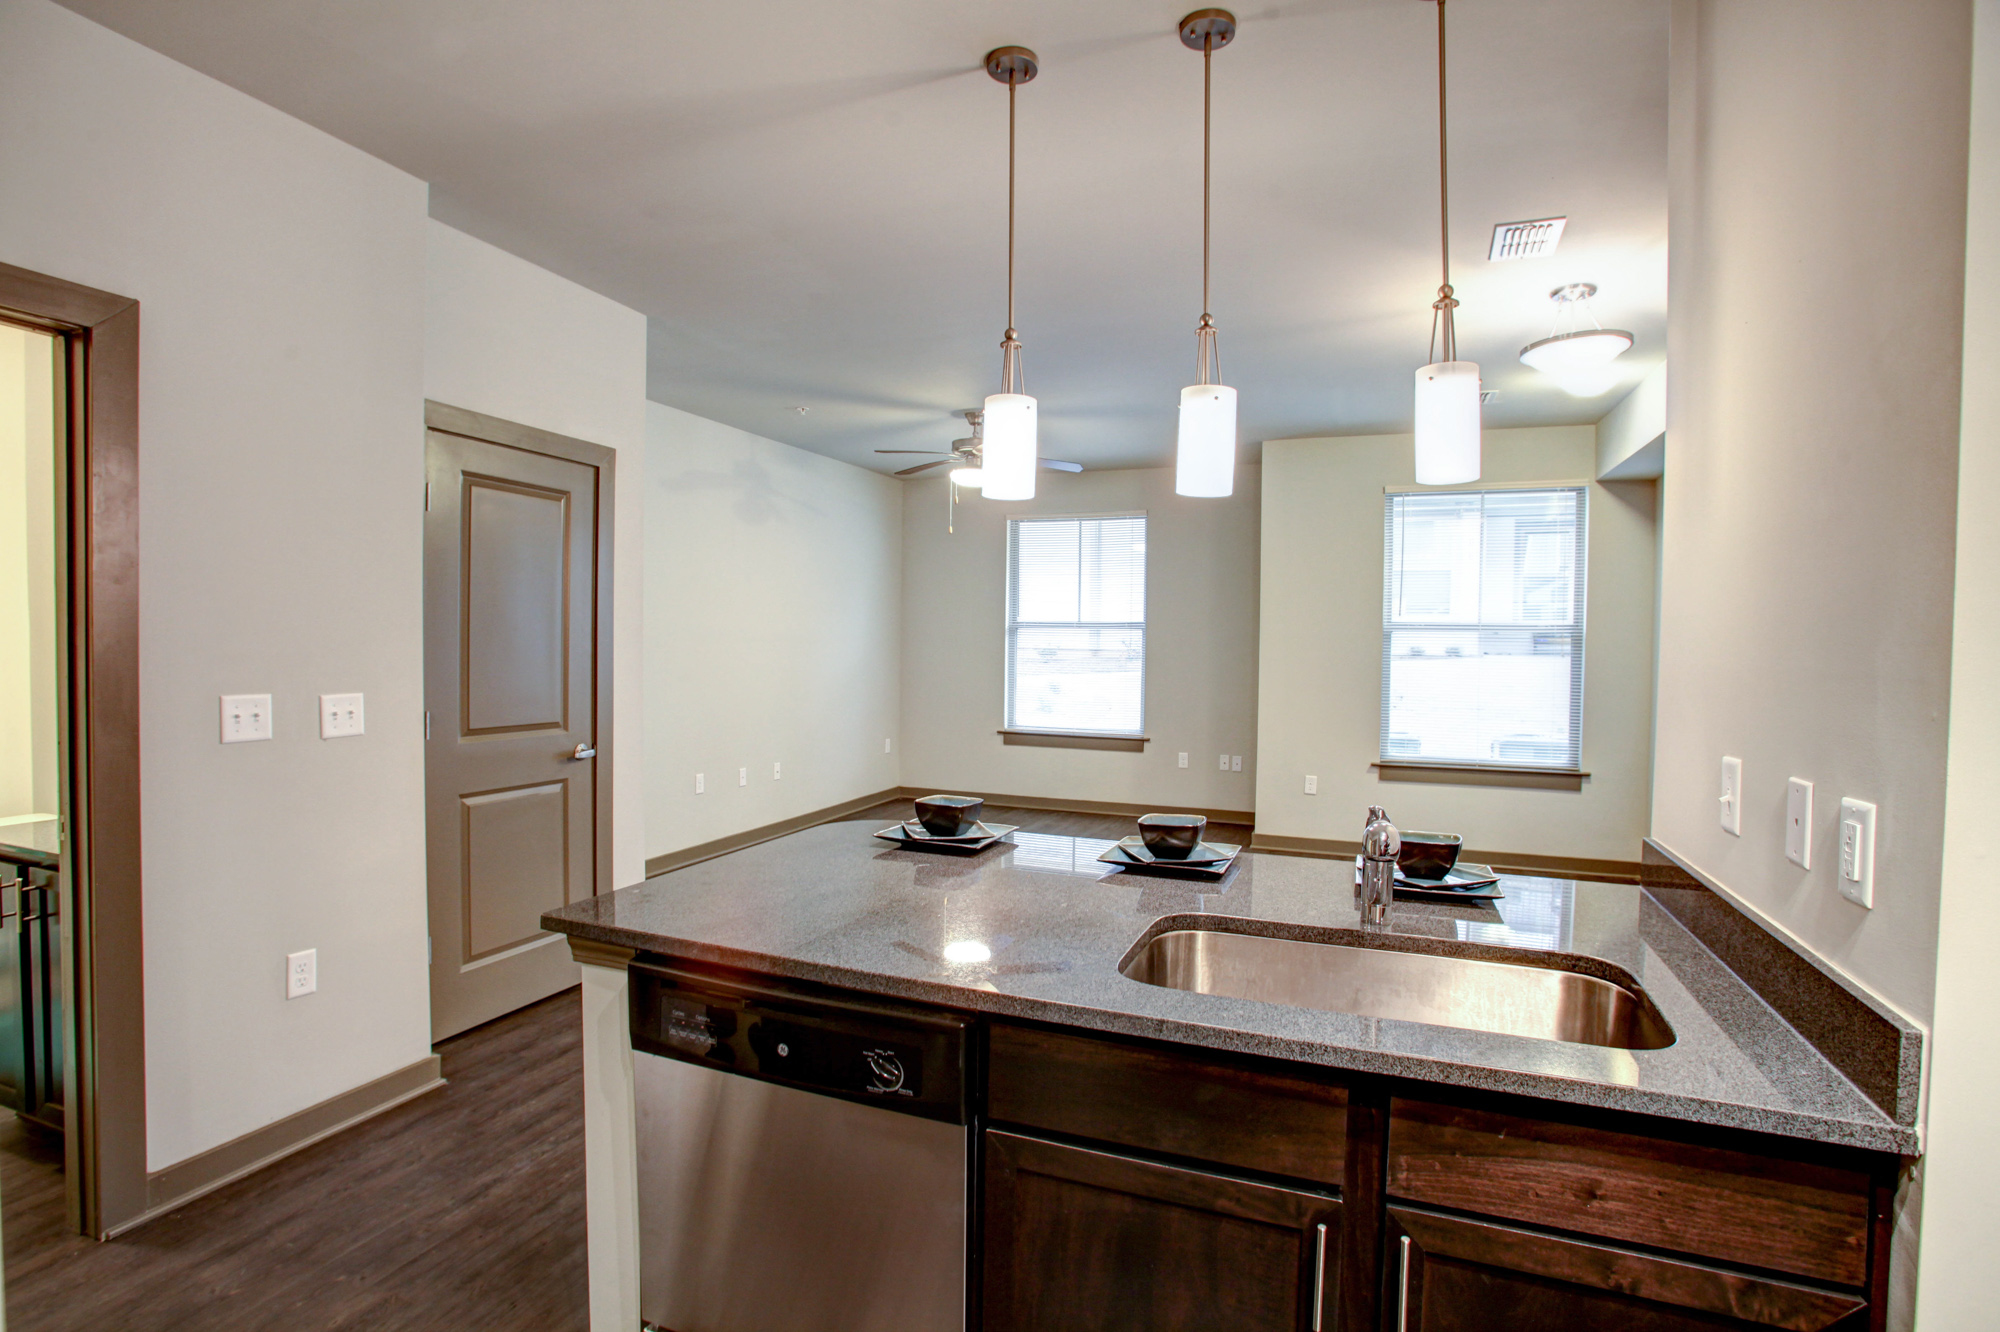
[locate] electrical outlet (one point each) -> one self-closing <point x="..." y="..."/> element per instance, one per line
<point x="777" y="771"/>
<point x="743" y="776"/>
<point x="245" y="717"/>
<point x="339" y="715"/>
<point x="1798" y="822"/>
<point x="1183" y="759"/>
<point x="301" y="973"/>
<point x="1236" y="763"/>
<point x="1312" y="784"/>
<point x="700" y="782"/>
<point x="1731" y="799"/>
<point x="1857" y="852"/>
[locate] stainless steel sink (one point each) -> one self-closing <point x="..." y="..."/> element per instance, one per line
<point x="1538" y="996"/>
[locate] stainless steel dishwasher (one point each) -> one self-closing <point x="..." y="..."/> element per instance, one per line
<point x="802" y="1158"/>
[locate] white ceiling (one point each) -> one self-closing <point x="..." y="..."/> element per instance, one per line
<point x="808" y="198"/>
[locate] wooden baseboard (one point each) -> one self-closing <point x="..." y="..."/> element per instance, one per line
<point x="1564" y="867"/>
<point x="722" y="846"/>
<point x="1240" y="816"/>
<point x="187" y="1180"/>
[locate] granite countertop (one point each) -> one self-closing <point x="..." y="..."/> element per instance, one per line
<point x="835" y="905"/>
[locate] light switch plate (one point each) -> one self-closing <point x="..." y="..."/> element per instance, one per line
<point x="1731" y="800"/>
<point x="777" y="771"/>
<point x="1857" y="853"/>
<point x="743" y="776"/>
<point x="245" y="717"/>
<point x="1312" y="784"/>
<point x="700" y="782"/>
<point x="1224" y="765"/>
<point x="339" y="715"/>
<point x="1236" y="763"/>
<point x="1183" y="758"/>
<point x="1798" y="822"/>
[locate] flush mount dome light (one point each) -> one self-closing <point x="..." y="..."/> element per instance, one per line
<point x="1579" y="360"/>
<point x="970" y="477"/>
<point x="967" y="950"/>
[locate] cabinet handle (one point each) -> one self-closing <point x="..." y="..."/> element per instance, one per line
<point x="1403" y="1288"/>
<point x="1319" y="1274"/>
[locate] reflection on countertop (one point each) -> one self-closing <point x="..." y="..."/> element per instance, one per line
<point x="833" y="905"/>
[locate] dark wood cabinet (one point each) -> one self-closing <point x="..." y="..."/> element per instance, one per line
<point x="1079" y="1240"/>
<point x="1451" y="1274"/>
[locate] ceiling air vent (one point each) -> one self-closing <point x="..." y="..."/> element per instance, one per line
<point x="1489" y="395"/>
<point x="1527" y="240"/>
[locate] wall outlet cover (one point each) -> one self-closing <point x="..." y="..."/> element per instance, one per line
<point x="301" y="973"/>
<point x="1312" y="784"/>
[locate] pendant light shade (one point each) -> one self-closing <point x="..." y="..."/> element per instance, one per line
<point x="1579" y="359"/>
<point x="1008" y="471"/>
<point x="1205" y="463"/>
<point x="1447" y="389"/>
<point x="1205" y="456"/>
<point x="1448" y="423"/>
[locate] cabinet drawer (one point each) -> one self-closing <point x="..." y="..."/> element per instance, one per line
<point x="1805" y="1219"/>
<point x="1176" y="1103"/>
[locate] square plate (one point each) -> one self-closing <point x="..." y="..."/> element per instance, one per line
<point x="1216" y="869"/>
<point x="1466" y="883"/>
<point x="918" y="832"/>
<point x="1204" y="853"/>
<point x="900" y="835"/>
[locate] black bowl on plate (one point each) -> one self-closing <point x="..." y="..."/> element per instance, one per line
<point x="949" y="815"/>
<point x="1428" y="855"/>
<point x="1172" y="836"/>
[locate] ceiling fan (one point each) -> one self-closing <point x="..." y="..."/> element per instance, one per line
<point x="966" y="452"/>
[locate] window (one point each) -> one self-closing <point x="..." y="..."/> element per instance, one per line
<point x="1482" y="628"/>
<point x="1076" y="625"/>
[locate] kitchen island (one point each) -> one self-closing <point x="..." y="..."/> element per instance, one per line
<point x="1734" y="1173"/>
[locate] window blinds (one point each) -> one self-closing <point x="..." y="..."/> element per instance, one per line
<point x="1076" y="625"/>
<point x="1482" y="628"/>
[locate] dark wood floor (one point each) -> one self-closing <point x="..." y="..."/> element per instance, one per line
<point x="462" y="1209"/>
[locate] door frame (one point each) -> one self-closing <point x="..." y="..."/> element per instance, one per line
<point x="449" y="420"/>
<point x="104" y="1093"/>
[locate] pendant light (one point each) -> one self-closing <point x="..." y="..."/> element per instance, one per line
<point x="1579" y="360"/>
<point x="1205" y="458"/>
<point x="1448" y="388"/>
<point x="1008" y="468"/>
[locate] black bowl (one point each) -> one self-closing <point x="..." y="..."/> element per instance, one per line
<point x="1172" y="836"/>
<point x="1428" y="855"/>
<point x="949" y="815"/>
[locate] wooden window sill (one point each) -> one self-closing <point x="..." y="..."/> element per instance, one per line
<point x="1130" y="744"/>
<point x="1476" y="774"/>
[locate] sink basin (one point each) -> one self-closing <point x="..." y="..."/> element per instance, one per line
<point x="1539" y="995"/>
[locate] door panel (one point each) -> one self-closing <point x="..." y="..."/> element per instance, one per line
<point x="516" y="856"/>
<point x="510" y="672"/>
<point x="515" y="633"/>
<point x="1087" y="1241"/>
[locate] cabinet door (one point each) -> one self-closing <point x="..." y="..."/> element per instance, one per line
<point x="1447" y="1274"/>
<point x="1088" y="1241"/>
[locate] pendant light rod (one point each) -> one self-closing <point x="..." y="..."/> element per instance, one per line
<point x="1013" y="66"/>
<point x="1207" y="31"/>
<point x="1446" y="302"/>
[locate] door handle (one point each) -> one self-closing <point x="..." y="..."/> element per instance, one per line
<point x="1403" y="1287"/>
<point x="583" y="752"/>
<point x="1319" y="1275"/>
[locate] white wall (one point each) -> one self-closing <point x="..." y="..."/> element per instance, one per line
<point x="281" y="276"/>
<point x="1321" y="688"/>
<point x="1201" y="644"/>
<point x="1631" y="439"/>
<point x="773" y="603"/>
<point x="1818" y="152"/>
<point x="30" y="772"/>
<point x="506" y="338"/>
<point x="1961" y="1169"/>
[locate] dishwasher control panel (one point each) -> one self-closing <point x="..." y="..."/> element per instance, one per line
<point x="853" y="1046"/>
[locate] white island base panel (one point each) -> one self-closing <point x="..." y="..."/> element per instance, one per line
<point x="610" y="1151"/>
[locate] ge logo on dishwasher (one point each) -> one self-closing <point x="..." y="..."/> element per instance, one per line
<point x="886" y="1069"/>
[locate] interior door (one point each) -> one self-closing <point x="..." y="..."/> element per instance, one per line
<point x="510" y="671"/>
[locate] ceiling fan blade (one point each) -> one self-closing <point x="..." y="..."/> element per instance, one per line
<point x="1054" y="465"/>
<point x="925" y="467"/>
<point x="932" y="452"/>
